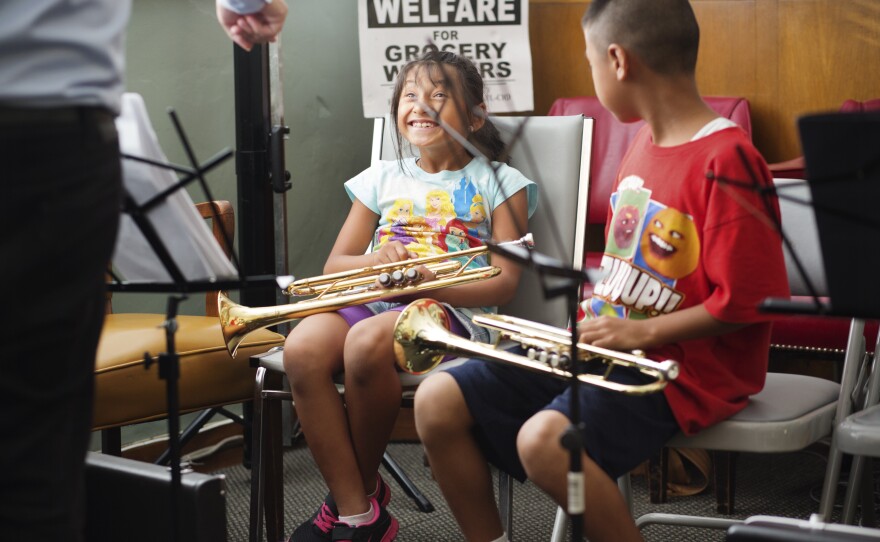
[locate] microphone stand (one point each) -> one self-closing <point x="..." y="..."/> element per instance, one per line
<point x="569" y="281"/>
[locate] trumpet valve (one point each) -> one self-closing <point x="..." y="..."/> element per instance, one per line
<point x="412" y="275"/>
<point x="384" y="279"/>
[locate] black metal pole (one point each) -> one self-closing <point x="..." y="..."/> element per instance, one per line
<point x="255" y="211"/>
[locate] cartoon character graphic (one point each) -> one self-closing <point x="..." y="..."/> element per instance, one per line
<point x="669" y="243"/>
<point x="401" y="211"/>
<point x="477" y="218"/>
<point x="456" y="239"/>
<point x="630" y="202"/>
<point x="438" y="208"/>
<point x="626" y="219"/>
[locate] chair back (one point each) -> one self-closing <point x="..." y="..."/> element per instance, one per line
<point x="612" y="139"/>
<point x="555" y="153"/>
<point x="799" y="228"/>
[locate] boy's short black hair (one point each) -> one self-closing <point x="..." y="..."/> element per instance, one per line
<point x="663" y="34"/>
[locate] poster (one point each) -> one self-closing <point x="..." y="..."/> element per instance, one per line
<point x="494" y="34"/>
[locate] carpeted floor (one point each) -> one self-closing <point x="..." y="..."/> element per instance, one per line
<point x="784" y="485"/>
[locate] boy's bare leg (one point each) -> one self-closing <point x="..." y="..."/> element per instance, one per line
<point x="312" y="355"/>
<point x="444" y="424"/>
<point x="606" y="515"/>
<point x="372" y="391"/>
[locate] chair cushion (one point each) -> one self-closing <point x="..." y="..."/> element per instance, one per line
<point x="126" y="393"/>
<point x="790" y="413"/>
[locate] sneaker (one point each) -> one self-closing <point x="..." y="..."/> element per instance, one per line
<point x="381" y="528"/>
<point x="318" y="527"/>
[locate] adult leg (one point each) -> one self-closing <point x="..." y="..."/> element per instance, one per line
<point x="606" y="515"/>
<point x="444" y="424"/>
<point x="59" y="216"/>
<point x="312" y="356"/>
<point x="372" y="398"/>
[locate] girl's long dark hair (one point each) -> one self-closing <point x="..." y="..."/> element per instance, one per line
<point x="487" y="139"/>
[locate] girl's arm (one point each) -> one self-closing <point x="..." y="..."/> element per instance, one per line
<point x="624" y="334"/>
<point x="355" y="237"/>
<point x="508" y="221"/>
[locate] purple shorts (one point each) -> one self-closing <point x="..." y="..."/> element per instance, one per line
<point x="356" y="313"/>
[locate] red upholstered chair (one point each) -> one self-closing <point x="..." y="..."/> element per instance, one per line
<point x="794" y="168"/>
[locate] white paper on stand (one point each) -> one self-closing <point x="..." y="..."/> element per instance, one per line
<point x="183" y="231"/>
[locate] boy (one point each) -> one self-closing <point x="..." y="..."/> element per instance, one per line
<point x="688" y="259"/>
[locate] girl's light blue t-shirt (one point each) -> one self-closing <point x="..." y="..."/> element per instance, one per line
<point x="436" y="213"/>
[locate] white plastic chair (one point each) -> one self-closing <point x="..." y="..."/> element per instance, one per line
<point x="552" y="151"/>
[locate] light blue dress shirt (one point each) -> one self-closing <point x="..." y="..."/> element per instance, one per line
<point x="57" y="53"/>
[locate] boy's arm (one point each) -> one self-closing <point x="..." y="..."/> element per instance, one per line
<point x="624" y="334"/>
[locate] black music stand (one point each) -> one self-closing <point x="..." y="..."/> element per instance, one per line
<point x="561" y="279"/>
<point x="178" y="285"/>
<point x="842" y="155"/>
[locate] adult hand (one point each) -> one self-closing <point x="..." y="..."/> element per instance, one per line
<point x="246" y="30"/>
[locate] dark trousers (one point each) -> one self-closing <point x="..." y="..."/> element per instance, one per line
<point x="60" y="185"/>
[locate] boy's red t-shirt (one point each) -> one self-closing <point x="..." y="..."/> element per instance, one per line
<point x="682" y="231"/>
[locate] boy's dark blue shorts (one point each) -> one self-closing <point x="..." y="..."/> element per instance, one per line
<point x="620" y="431"/>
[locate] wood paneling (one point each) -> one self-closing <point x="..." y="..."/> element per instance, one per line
<point x="787" y="57"/>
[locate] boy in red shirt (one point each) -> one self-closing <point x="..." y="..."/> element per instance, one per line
<point x="688" y="259"/>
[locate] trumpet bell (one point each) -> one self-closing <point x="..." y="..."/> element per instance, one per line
<point x="425" y="318"/>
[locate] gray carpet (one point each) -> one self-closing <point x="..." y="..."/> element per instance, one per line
<point x="783" y="485"/>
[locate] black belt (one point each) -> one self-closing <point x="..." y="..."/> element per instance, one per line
<point x="16" y="116"/>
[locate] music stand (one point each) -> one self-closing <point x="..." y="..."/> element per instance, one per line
<point x="566" y="281"/>
<point x="174" y="269"/>
<point x="842" y="155"/>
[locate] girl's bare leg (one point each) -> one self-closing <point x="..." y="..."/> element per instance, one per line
<point x="313" y="354"/>
<point x="444" y="424"/>
<point x="372" y="397"/>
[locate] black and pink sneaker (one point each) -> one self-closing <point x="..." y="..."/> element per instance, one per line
<point x="319" y="526"/>
<point x="381" y="528"/>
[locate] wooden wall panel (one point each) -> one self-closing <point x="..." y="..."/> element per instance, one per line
<point x="787" y="57"/>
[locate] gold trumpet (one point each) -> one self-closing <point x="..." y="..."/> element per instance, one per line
<point x="422" y="339"/>
<point x="355" y="287"/>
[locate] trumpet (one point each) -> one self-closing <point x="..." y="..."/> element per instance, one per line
<point x="356" y="287"/>
<point x="422" y="338"/>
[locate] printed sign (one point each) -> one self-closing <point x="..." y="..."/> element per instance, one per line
<point x="494" y="34"/>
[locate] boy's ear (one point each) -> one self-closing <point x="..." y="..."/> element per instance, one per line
<point x="619" y="59"/>
<point x="478" y="117"/>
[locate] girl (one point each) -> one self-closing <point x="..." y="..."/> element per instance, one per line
<point x="348" y="439"/>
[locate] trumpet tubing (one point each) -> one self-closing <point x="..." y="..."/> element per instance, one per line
<point x="438" y="263"/>
<point x="422" y="338"/>
<point x="338" y="290"/>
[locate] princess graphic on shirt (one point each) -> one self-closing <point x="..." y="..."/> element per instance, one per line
<point x="455" y="238"/>
<point x="476" y="224"/>
<point x="438" y="209"/>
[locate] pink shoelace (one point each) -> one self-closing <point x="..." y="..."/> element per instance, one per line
<point x="325" y="518"/>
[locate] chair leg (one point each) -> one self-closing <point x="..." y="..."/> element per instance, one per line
<point x="505" y="502"/>
<point x="559" y="524"/>
<point x="111" y="441"/>
<point x="406" y="483"/>
<point x="657" y="467"/>
<point x="266" y="469"/>
<point x="724" y="468"/>
<point x="625" y="486"/>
